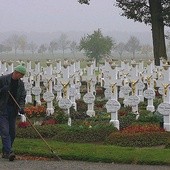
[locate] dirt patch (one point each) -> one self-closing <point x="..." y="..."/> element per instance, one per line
<point x="37" y="158"/>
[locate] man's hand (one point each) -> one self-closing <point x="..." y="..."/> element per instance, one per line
<point x="21" y="111"/>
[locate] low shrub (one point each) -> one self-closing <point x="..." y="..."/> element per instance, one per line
<point x="139" y="136"/>
<point x="59" y="115"/>
<point x="144" y="139"/>
<point x="97" y="133"/>
<point x="65" y="133"/>
<point x="47" y="131"/>
<point x="149" y="117"/>
<point x="167" y="146"/>
<point x="81" y="106"/>
<point x="77" y="114"/>
<point x="127" y="120"/>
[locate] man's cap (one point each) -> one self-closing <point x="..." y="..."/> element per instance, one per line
<point x="21" y="69"/>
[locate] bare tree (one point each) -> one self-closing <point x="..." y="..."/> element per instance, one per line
<point x="5" y="48"/>
<point x="52" y="47"/>
<point x="13" y="41"/>
<point x="146" y="49"/>
<point x="63" y="43"/>
<point x="42" y="49"/>
<point x="32" y="47"/>
<point x="133" y="45"/>
<point x="74" y="47"/>
<point x="120" y="48"/>
<point x="23" y="44"/>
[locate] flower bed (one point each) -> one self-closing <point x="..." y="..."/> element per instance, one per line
<point x="139" y="136"/>
<point x="35" y="111"/>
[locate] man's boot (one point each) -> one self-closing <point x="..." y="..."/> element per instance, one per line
<point x="11" y="156"/>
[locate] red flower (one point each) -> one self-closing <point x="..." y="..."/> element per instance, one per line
<point x="49" y="122"/>
<point x="142" y="128"/>
<point x="23" y="124"/>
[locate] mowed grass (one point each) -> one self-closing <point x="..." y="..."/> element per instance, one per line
<point x="93" y="152"/>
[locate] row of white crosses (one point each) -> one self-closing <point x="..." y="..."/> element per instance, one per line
<point x="137" y="78"/>
<point x="112" y="76"/>
<point x="111" y="82"/>
<point x="164" y="108"/>
<point x="46" y="75"/>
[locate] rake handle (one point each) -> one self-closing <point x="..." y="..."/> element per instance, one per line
<point x="34" y="127"/>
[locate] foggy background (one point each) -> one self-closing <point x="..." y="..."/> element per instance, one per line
<point x="43" y="20"/>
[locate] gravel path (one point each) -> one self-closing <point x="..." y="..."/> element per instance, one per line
<point x="71" y="165"/>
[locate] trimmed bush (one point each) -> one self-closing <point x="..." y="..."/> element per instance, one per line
<point x="97" y="133"/>
<point x="144" y="139"/>
<point x="127" y="120"/>
<point x="139" y="136"/>
<point x="149" y="117"/>
<point x="65" y="133"/>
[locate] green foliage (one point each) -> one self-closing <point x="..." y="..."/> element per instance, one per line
<point x="96" y="45"/>
<point x="60" y="116"/>
<point x="85" y="134"/>
<point x="144" y="139"/>
<point x="149" y="117"/>
<point x="99" y="106"/>
<point x="127" y="120"/>
<point x="139" y="135"/>
<point x="168" y="144"/>
<point x="81" y="106"/>
<point x="65" y="133"/>
<point x="140" y="10"/>
<point x="77" y="114"/>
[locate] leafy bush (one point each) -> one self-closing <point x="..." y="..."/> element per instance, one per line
<point x="142" y="128"/>
<point x="99" y="106"/>
<point x="81" y="106"/>
<point x="168" y="142"/>
<point x="147" y="116"/>
<point x="66" y="133"/>
<point x="77" y="114"/>
<point x="59" y="115"/>
<point x="96" y="133"/>
<point x="47" y="131"/>
<point x="144" y="139"/>
<point x="139" y="136"/>
<point x="124" y="111"/>
<point x="127" y="120"/>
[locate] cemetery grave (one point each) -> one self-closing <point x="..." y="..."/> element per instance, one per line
<point x="119" y="95"/>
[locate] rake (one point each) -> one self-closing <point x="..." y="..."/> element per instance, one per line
<point x="52" y="151"/>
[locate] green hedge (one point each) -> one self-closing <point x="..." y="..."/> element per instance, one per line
<point x="65" y="133"/>
<point x="145" y="139"/>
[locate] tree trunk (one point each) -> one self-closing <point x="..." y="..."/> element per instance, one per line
<point x="158" y="37"/>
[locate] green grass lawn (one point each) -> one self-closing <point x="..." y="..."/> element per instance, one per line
<point x="93" y="152"/>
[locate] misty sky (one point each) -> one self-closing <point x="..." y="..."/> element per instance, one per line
<point x="64" y="15"/>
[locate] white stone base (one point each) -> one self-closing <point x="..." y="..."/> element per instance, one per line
<point x="115" y="123"/>
<point x="167" y="127"/>
<point x="38" y="102"/>
<point x="28" y="99"/>
<point x="90" y="113"/>
<point x="23" y="118"/>
<point x="50" y="111"/>
<point x="150" y="108"/>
